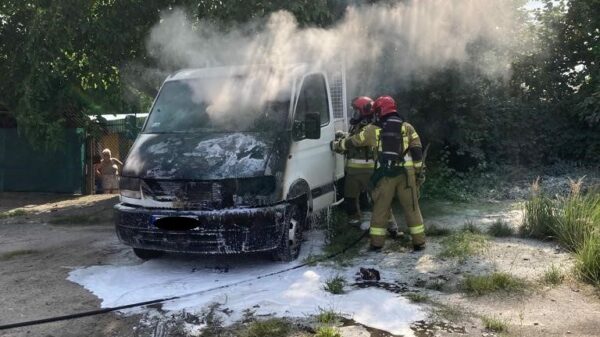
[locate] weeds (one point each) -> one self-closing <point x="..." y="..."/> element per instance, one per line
<point x="102" y="216"/>
<point x="274" y="327"/>
<point x="500" y="229"/>
<point x="451" y="313"/>
<point x="335" y="285"/>
<point x="13" y="213"/>
<point x="485" y="284"/>
<point x="463" y="244"/>
<point x="494" y="324"/>
<point x="471" y="227"/>
<point x="327" y="316"/>
<point x="574" y="221"/>
<point x="340" y="236"/>
<point x="327" y="331"/>
<point x="214" y="323"/>
<point x="417" y="297"/>
<point x="16" y="253"/>
<point x="433" y="230"/>
<point x="553" y="276"/>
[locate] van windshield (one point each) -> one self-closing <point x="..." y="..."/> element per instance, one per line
<point x="216" y="105"/>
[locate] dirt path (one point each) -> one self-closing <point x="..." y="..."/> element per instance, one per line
<point x="36" y="258"/>
<point x="59" y="235"/>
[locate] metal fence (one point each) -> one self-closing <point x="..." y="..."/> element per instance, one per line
<point x="24" y="168"/>
<point x="115" y="133"/>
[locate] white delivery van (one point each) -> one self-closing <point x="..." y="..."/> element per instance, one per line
<point x="204" y="178"/>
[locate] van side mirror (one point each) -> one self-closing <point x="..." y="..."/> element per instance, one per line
<point x="312" y="124"/>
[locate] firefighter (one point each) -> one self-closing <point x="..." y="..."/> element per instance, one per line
<point x="399" y="170"/>
<point x="360" y="164"/>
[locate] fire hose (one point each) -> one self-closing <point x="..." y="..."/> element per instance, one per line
<point x="167" y="299"/>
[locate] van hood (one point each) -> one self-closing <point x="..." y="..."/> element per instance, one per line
<point x="209" y="156"/>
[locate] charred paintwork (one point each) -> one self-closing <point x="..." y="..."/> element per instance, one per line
<point x="217" y="232"/>
<point x="225" y="189"/>
<point x="207" y="156"/>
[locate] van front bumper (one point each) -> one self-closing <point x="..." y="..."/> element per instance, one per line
<point x="227" y="231"/>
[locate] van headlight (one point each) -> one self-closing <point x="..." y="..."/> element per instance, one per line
<point x="130" y="187"/>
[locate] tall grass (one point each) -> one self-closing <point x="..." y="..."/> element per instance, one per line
<point x="578" y="220"/>
<point x="538" y="217"/>
<point x="588" y="260"/>
<point x="573" y="220"/>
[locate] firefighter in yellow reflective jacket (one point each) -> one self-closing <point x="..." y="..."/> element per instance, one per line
<point x="399" y="170"/>
<point x="360" y="164"/>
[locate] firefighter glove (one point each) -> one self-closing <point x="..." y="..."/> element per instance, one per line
<point x="338" y="146"/>
<point x="339" y="134"/>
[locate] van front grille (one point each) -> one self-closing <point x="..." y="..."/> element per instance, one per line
<point x="188" y="194"/>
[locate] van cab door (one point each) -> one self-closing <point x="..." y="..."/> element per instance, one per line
<point x="312" y="159"/>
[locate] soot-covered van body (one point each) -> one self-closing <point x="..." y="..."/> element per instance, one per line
<point x="233" y="160"/>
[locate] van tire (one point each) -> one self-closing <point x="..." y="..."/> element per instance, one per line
<point x="289" y="249"/>
<point x="147" y="254"/>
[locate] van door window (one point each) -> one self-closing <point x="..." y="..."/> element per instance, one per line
<point x="312" y="98"/>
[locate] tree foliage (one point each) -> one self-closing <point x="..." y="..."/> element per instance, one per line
<point x="62" y="60"/>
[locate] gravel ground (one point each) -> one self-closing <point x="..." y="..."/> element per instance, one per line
<point x="37" y="256"/>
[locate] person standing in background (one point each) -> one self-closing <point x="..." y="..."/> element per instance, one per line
<point x="108" y="170"/>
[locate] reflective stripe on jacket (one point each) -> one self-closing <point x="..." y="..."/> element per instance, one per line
<point x="370" y="136"/>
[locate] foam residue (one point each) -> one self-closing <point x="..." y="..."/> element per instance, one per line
<point x="293" y="294"/>
<point x="232" y="154"/>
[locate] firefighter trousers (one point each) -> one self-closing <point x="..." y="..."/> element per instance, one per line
<point x="404" y="188"/>
<point x="356" y="183"/>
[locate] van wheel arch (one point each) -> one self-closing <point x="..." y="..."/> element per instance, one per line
<point x="299" y="193"/>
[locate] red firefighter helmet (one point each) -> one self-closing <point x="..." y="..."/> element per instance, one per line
<point x="383" y="106"/>
<point x="363" y="105"/>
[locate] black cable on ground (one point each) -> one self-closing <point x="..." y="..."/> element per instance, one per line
<point x="166" y="299"/>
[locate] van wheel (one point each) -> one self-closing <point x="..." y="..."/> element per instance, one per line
<point x="146" y="254"/>
<point x="291" y="240"/>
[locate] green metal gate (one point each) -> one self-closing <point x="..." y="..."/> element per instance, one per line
<point x="25" y="169"/>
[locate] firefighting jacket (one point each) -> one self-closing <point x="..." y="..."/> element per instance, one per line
<point x="359" y="159"/>
<point x="370" y="136"/>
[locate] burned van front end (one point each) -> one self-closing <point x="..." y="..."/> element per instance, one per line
<point x="200" y="217"/>
<point x="210" y="194"/>
<point x="206" y="176"/>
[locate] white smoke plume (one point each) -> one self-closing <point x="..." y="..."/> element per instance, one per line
<point x="378" y="44"/>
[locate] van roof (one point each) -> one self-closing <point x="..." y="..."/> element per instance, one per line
<point x="229" y="71"/>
